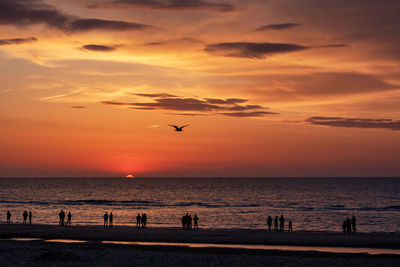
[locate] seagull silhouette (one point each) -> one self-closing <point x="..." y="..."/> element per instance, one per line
<point x="178" y="129"/>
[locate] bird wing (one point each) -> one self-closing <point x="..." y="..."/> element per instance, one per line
<point x="184" y="126"/>
<point x="176" y="127"/>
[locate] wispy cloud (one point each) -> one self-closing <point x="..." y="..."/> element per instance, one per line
<point x="228" y="107"/>
<point x="251" y="50"/>
<point x="27" y="13"/>
<point x="168" y="5"/>
<point x="356" y="123"/>
<point x="280" y="26"/>
<point x="17" y="41"/>
<point x="98" y="48"/>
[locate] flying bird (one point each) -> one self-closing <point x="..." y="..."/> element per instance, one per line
<point x="178" y="129"/>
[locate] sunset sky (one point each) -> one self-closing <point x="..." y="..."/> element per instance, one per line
<point x="269" y="88"/>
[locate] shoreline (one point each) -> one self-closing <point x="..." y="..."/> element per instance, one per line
<point x="211" y="236"/>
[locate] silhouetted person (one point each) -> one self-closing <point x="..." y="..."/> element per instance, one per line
<point x="190" y="220"/>
<point x="8" y="217"/>
<point x="69" y="218"/>
<point x="348" y="225"/>
<point x="269" y="223"/>
<point x="344" y="227"/>
<point x="144" y="220"/>
<point x="276" y="224"/>
<point x="30" y="217"/>
<point x="25" y="216"/>
<point x="105" y="216"/>
<point x="183" y="222"/>
<point x="290" y="226"/>
<point x="138" y="220"/>
<point x="111" y="217"/>
<point x="62" y="217"/>
<point x="282" y="224"/>
<point x="196" y="222"/>
<point x="353" y="224"/>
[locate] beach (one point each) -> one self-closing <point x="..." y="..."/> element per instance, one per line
<point x="29" y="245"/>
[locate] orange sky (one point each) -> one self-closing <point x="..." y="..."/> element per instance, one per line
<point x="269" y="88"/>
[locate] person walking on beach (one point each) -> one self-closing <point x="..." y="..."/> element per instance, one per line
<point x="105" y="219"/>
<point x="111" y="217"/>
<point x="144" y="220"/>
<point x="353" y="224"/>
<point x="348" y="226"/>
<point x="138" y="219"/>
<point x="8" y="217"/>
<point x="196" y="222"/>
<point x="183" y="222"/>
<point x="269" y="223"/>
<point x="189" y="222"/>
<point x="282" y="224"/>
<point x="290" y="226"/>
<point x="30" y="217"/>
<point x="25" y="216"/>
<point x="62" y="217"/>
<point x="69" y="218"/>
<point x="276" y="224"/>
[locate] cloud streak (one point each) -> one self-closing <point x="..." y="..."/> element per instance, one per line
<point x="17" y="41"/>
<point x="166" y="5"/>
<point x="281" y="26"/>
<point x="388" y="124"/>
<point x="98" y="48"/>
<point x="186" y="106"/>
<point x="251" y="50"/>
<point x="24" y="13"/>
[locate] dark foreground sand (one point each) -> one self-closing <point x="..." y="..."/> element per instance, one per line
<point x="40" y="253"/>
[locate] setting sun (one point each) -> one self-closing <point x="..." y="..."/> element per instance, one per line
<point x="129" y="176"/>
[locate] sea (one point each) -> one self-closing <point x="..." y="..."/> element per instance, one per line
<point x="313" y="204"/>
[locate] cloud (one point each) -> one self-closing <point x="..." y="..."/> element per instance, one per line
<point x="168" y="5"/>
<point x="251" y="50"/>
<point x="332" y="46"/>
<point x="26" y="13"/>
<point x="96" y="24"/>
<point x="156" y="95"/>
<point x="186" y="114"/>
<point x="281" y="26"/>
<point x="356" y="123"/>
<point x="248" y="114"/>
<point x="78" y="107"/>
<point x="17" y="41"/>
<point x="98" y="48"/>
<point x="228" y="101"/>
<point x="227" y="107"/>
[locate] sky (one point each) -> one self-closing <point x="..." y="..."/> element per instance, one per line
<point x="289" y="88"/>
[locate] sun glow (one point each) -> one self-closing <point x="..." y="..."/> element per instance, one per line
<point x="129" y="176"/>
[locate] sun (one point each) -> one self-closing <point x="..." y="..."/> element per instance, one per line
<point x="129" y="176"/>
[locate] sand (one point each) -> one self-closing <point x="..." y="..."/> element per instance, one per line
<point x="40" y="253"/>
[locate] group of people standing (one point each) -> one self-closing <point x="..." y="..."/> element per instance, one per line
<point x="62" y="222"/>
<point x="108" y="219"/>
<point x="188" y="222"/>
<point x="349" y="226"/>
<point x="141" y="221"/>
<point x="281" y="224"/>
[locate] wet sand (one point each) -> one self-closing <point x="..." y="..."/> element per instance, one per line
<point x="212" y="236"/>
<point x="94" y="252"/>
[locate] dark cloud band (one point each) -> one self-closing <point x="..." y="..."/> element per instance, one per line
<point x="356" y="123"/>
<point x="27" y="13"/>
<point x="228" y="107"/>
<point x="281" y="26"/>
<point x="17" y="41"/>
<point x="98" y="48"/>
<point x="168" y="5"/>
<point x="251" y="50"/>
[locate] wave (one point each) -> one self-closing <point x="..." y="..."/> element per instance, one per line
<point x="133" y="203"/>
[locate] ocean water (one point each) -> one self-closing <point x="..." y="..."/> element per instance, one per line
<point x="311" y="203"/>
